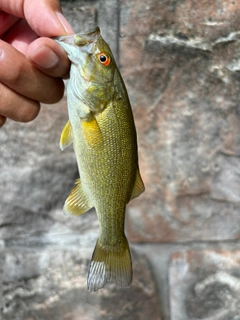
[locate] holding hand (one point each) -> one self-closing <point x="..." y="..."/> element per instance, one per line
<point x="31" y="64"/>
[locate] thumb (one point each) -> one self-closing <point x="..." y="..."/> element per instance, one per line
<point x="43" y="16"/>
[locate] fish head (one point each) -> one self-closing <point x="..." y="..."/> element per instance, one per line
<point x="93" y="67"/>
<point x="97" y="61"/>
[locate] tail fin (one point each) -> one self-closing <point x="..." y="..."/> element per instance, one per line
<point x="110" y="264"/>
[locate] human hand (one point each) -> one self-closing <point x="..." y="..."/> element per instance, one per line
<point x="31" y="64"/>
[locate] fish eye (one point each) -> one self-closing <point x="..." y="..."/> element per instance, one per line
<point x="104" y="59"/>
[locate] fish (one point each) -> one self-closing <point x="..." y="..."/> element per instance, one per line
<point x="102" y="130"/>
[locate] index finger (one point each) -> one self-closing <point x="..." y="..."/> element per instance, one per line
<point x="44" y="16"/>
<point x="6" y="22"/>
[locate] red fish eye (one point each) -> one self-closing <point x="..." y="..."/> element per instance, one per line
<point x="104" y="59"/>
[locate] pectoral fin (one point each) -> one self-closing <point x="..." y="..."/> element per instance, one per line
<point x="92" y="132"/>
<point x="66" y="136"/>
<point x="77" y="202"/>
<point x="138" y="186"/>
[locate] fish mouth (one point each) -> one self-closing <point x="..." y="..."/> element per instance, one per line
<point x="81" y="39"/>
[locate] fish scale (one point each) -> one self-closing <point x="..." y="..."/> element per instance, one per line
<point x="101" y="127"/>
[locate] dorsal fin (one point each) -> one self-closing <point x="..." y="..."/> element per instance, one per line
<point x="138" y="186"/>
<point x="66" y="136"/>
<point x="77" y="202"/>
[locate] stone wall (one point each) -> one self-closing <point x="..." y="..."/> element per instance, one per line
<point x="181" y="62"/>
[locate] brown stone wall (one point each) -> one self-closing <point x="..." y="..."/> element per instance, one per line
<point x="181" y="62"/>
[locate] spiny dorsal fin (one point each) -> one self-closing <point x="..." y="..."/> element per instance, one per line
<point x="92" y="132"/>
<point x="138" y="186"/>
<point x="77" y="202"/>
<point x="66" y="136"/>
<point x="110" y="264"/>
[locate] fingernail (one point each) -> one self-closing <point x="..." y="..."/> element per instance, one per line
<point x="66" y="25"/>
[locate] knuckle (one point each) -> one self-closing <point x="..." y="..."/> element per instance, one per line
<point x="29" y="112"/>
<point x="56" y="93"/>
<point x="12" y="64"/>
<point x="15" y="75"/>
<point x="16" y="106"/>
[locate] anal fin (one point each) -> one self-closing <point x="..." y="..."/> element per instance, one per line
<point x="138" y="186"/>
<point x="77" y="202"/>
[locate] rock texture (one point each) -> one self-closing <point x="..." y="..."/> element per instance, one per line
<point x="180" y="60"/>
<point x="51" y="284"/>
<point x="205" y="285"/>
<point x="36" y="178"/>
<point x="44" y="255"/>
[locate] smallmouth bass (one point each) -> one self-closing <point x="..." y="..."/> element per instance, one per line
<point x="101" y="128"/>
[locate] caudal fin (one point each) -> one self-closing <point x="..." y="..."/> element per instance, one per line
<point x="110" y="264"/>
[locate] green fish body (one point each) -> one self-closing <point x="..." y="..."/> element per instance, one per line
<point x="101" y="128"/>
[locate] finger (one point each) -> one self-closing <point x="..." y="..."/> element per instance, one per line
<point x="6" y="22"/>
<point x="49" y="57"/>
<point x="2" y="120"/>
<point x="43" y="16"/>
<point x="16" y="106"/>
<point x="20" y="36"/>
<point x="20" y="75"/>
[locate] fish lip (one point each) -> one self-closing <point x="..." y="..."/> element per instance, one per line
<point x="66" y="39"/>
<point x="80" y="39"/>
